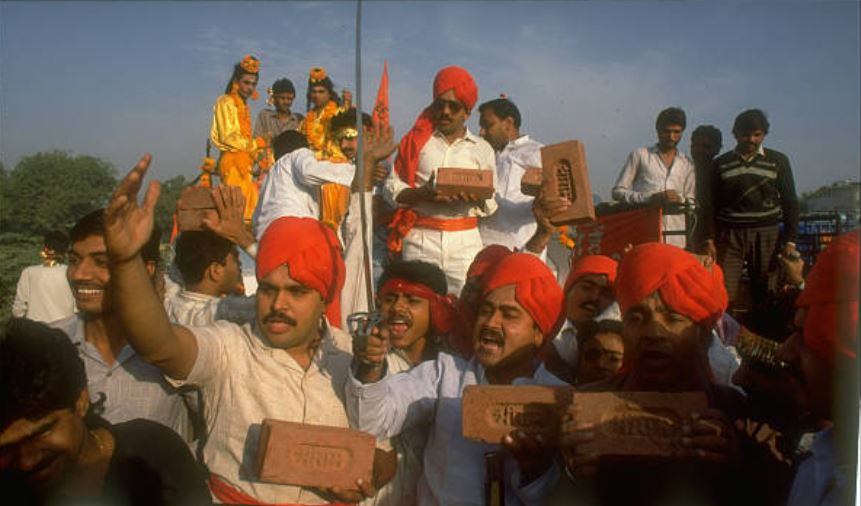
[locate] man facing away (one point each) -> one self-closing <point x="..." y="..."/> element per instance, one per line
<point x="43" y="293"/>
<point x="428" y="226"/>
<point x="298" y="360"/>
<point x="660" y="174"/>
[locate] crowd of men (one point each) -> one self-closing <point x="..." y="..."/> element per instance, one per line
<point x="152" y="389"/>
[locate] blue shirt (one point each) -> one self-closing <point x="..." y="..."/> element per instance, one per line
<point x="819" y="481"/>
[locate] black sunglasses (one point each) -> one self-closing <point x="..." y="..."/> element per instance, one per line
<point x="441" y="103"/>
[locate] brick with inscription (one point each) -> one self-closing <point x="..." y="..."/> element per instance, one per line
<point x="194" y="203"/>
<point x="636" y="423"/>
<point x="314" y="455"/>
<point x="566" y="175"/>
<point x="451" y="181"/>
<point x="530" y="182"/>
<point x="492" y="411"/>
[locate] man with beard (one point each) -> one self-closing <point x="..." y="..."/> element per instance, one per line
<point x="520" y="306"/>
<point x="751" y="190"/>
<point x="660" y="174"/>
<point x="825" y="351"/>
<point x="55" y="450"/>
<point x="128" y="386"/>
<point x="299" y="361"/>
<point x="428" y="226"/>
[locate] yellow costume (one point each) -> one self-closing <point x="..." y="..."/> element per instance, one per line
<point x="334" y="198"/>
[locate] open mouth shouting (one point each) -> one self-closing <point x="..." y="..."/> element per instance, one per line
<point x="399" y="325"/>
<point x="490" y="341"/>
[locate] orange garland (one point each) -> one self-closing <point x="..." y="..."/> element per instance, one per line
<point x="244" y="115"/>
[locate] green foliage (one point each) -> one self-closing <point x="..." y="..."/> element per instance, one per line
<point x="16" y="252"/>
<point x="49" y="191"/>
<point x="166" y="204"/>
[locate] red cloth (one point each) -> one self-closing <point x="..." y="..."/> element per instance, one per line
<point x="487" y="258"/>
<point x="405" y="219"/>
<point x="536" y="288"/>
<point x="228" y="494"/>
<point x="442" y="310"/>
<point x="683" y="283"/>
<point x="312" y="253"/>
<point x="407" y="161"/>
<point x="591" y="264"/>
<point x="831" y="298"/>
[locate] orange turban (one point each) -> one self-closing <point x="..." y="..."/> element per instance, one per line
<point x="683" y="283"/>
<point x="485" y="259"/>
<point x="831" y="298"/>
<point x="591" y="264"/>
<point x="536" y="288"/>
<point x="311" y="252"/>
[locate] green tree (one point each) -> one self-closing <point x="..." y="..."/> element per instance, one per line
<point x="52" y="190"/>
<point x="166" y="204"/>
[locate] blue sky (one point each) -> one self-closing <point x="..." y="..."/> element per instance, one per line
<point x="116" y="79"/>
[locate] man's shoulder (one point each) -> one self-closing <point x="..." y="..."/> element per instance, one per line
<point x="776" y="156"/>
<point x="725" y="158"/>
<point x="265" y="113"/>
<point x="224" y="100"/>
<point x="68" y="326"/>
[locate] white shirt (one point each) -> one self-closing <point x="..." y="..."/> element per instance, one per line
<point x="198" y="309"/>
<point x="43" y="294"/>
<point x="431" y="393"/>
<point x="244" y="380"/>
<point x="292" y="187"/>
<point x="468" y="152"/>
<point x="513" y="223"/>
<point x="645" y="174"/>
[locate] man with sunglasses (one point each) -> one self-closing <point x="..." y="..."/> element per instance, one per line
<point x="428" y="226"/>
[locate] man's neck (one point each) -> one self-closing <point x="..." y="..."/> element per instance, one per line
<point x="303" y="353"/>
<point x="204" y="288"/>
<point x="506" y="374"/>
<point x="87" y="479"/>
<point x="696" y="382"/>
<point x="451" y="138"/>
<point x="104" y="333"/>
<point x="415" y="353"/>
<point x="283" y="114"/>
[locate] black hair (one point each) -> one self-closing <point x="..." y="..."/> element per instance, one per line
<point x="283" y="86"/>
<point x="94" y="224"/>
<point x="238" y="71"/>
<point x="150" y="251"/>
<point x="348" y="119"/>
<point x="502" y="108"/>
<point x="40" y="371"/>
<point x="588" y="330"/>
<point x="671" y="116"/>
<point x="710" y="132"/>
<point x="196" y="250"/>
<point x="326" y="83"/>
<point x="416" y="271"/>
<point x="750" y="120"/>
<point x="287" y="142"/>
<point x="57" y="241"/>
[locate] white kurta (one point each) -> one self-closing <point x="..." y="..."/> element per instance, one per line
<point x="43" y="294"/>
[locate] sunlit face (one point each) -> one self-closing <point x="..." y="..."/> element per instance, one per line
<point x="669" y="136"/>
<point x="88" y="274"/>
<point x="408" y="319"/>
<point x="288" y="312"/>
<point x="504" y="331"/>
<point x="748" y="143"/>
<point x="665" y="347"/>
<point x="493" y="130"/>
<point x="320" y="96"/>
<point x="600" y="358"/>
<point x="42" y="451"/>
<point x="246" y="85"/>
<point x="350" y="145"/>
<point x="588" y="297"/>
<point x="283" y="101"/>
<point x="817" y="374"/>
<point x="449" y="114"/>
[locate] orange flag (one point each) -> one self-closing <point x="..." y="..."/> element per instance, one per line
<point x="381" y="107"/>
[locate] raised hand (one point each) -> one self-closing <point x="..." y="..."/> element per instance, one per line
<point x="128" y="226"/>
<point x="379" y="143"/>
<point x="230" y="222"/>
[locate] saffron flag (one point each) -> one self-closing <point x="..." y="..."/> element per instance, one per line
<point x="610" y="233"/>
<point x="381" y="107"/>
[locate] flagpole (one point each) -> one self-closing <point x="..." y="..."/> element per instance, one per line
<point x="360" y="164"/>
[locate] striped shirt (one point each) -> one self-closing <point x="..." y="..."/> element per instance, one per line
<point x="751" y="193"/>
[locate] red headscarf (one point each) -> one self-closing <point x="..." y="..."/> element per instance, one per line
<point x="536" y="288"/>
<point x="311" y="252"/>
<point x="591" y="264"/>
<point x="831" y="298"/>
<point x="683" y="283"/>
<point x="442" y="312"/>
<point x="485" y="259"/>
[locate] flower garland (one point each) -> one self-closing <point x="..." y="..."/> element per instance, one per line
<point x="315" y="126"/>
<point x="244" y="115"/>
<point x="566" y="241"/>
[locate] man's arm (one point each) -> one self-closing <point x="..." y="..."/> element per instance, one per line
<point x="622" y="189"/>
<point x="22" y="296"/>
<point x="128" y="226"/>
<point x="788" y="200"/>
<point x="707" y="206"/>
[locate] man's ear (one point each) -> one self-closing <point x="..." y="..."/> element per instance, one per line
<point x="537" y="336"/>
<point x="215" y="272"/>
<point x="151" y="268"/>
<point x="82" y="404"/>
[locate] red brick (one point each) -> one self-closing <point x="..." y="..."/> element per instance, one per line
<point x="530" y="183"/>
<point x="451" y="181"/>
<point x="567" y="175"/>
<point x="636" y="423"/>
<point x="314" y="455"/>
<point x="193" y="204"/>
<point x="490" y="412"/>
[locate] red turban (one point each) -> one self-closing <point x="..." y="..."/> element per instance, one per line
<point x="311" y="252"/>
<point x="591" y="264"/>
<point x="485" y="259"/>
<point x="831" y="298"/>
<point x="536" y="288"/>
<point x="683" y="283"/>
<point x="443" y="316"/>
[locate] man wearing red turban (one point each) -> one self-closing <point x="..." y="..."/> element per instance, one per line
<point x="825" y="352"/>
<point x="520" y="307"/>
<point x="428" y="226"/>
<point x="287" y="365"/>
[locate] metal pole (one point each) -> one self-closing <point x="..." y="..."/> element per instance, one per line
<point x="360" y="164"/>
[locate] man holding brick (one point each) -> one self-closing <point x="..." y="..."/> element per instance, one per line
<point x="521" y="304"/>
<point x="428" y="226"/>
<point x="288" y="365"/>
